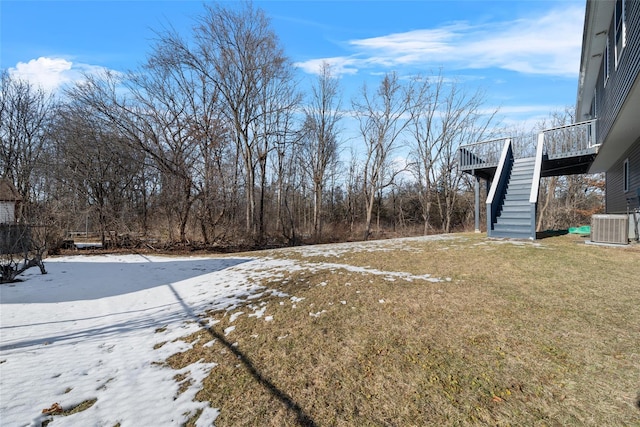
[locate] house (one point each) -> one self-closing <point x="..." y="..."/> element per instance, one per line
<point x="609" y="91"/>
<point x="9" y="200"/>
<point x="605" y="139"/>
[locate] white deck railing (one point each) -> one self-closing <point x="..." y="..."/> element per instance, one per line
<point x="570" y="140"/>
<point x="483" y="154"/>
<point x="562" y="141"/>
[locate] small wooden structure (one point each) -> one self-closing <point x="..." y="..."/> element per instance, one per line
<point x="9" y="200"/>
<point x="18" y="248"/>
<point x="14" y="238"/>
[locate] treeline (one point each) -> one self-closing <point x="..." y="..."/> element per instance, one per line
<point x="212" y="141"/>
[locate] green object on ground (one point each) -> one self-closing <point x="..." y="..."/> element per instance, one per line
<point x="584" y="229"/>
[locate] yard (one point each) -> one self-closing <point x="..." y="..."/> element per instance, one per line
<point x="440" y="330"/>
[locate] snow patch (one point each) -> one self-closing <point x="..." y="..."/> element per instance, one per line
<point x="234" y="316"/>
<point x="317" y="314"/>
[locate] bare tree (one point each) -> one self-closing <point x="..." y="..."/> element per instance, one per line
<point x="155" y="117"/>
<point x="279" y="101"/>
<point x="430" y="123"/>
<point x="203" y="131"/>
<point x="95" y="164"/>
<point x="321" y="128"/>
<point x="25" y="113"/>
<point x="461" y="121"/>
<point x="237" y="52"/>
<point x="382" y="118"/>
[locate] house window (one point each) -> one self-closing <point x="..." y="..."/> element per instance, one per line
<point x="625" y="176"/>
<point x="620" y="28"/>
<point x="607" y="61"/>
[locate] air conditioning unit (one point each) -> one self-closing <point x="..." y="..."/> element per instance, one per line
<point x="610" y="229"/>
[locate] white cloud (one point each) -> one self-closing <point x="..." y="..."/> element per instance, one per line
<point x="412" y="46"/>
<point x="548" y="45"/>
<point x="52" y="73"/>
<point x="339" y="65"/>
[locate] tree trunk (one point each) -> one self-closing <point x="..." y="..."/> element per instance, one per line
<point x="317" y="208"/>
<point x="543" y="209"/>
<point x="367" y="228"/>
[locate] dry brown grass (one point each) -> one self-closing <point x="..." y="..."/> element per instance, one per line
<point x="530" y="334"/>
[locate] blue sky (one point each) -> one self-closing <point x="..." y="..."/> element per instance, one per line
<point x="523" y="54"/>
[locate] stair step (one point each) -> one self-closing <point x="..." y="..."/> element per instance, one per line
<point x="508" y="215"/>
<point x="521" y="203"/>
<point x="516" y="200"/>
<point x="521" y="172"/>
<point x="515" y="191"/>
<point x="525" y="160"/>
<point x="515" y="210"/>
<point x="513" y="223"/>
<point x="510" y="234"/>
<point x="512" y="231"/>
<point x="521" y="177"/>
<point x="520" y="200"/>
<point x="520" y="180"/>
<point x="518" y="187"/>
<point x="515" y="227"/>
<point x="517" y="195"/>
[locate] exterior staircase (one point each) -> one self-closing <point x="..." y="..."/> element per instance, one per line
<point x="516" y="218"/>
<point x="512" y="168"/>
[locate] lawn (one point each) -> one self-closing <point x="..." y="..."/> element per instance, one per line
<point x="473" y="331"/>
<point x="442" y="330"/>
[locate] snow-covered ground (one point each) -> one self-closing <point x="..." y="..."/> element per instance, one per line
<point x="87" y="330"/>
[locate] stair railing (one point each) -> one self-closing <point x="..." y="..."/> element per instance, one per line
<point x="535" y="185"/>
<point x="480" y="154"/>
<point x="573" y="139"/>
<point x="496" y="195"/>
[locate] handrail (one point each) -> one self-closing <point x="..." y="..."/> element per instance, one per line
<point x="488" y="141"/>
<point x="503" y="159"/>
<point x="586" y="122"/>
<point x="496" y="192"/>
<point x="535" y="184"/>
<point x="480" y="154"/>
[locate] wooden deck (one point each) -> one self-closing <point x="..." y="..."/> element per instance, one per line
<point x="567" y="150"/>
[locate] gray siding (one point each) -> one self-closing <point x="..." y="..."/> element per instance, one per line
<point x="616" y="199"/>
<point x="611" y="97"/>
